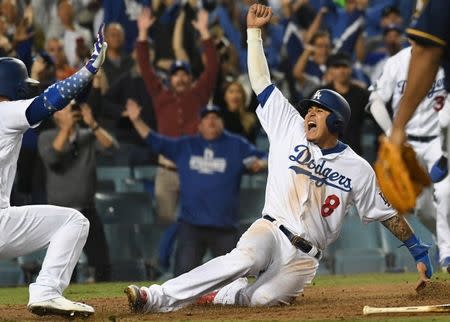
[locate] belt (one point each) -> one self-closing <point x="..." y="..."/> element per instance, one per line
<point x="421" y="138"/>
<point x="299" y="242"/>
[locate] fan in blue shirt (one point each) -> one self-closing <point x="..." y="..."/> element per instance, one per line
<point x="210" y="165"/>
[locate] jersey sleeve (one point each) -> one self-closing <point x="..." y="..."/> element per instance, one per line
<point x="276" y="115"/>
<point x="385" y="84"/>
<point x="370" y="202"/>
<point x="432" y="27"/>
<point x="249" y="153"/>
<point x="168" y="147"/>
<point x="13" y="117"/>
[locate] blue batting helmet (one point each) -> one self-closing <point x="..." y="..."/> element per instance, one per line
<point x="333" y="102"/>
<point x="14" y="79"/>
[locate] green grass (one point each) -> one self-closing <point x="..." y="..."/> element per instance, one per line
<point x="19" y="295"/>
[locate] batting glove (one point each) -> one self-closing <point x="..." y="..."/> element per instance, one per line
<point x="439" y="170"/>
<point x="419" y="251"/>
<point x="99" y="53"/>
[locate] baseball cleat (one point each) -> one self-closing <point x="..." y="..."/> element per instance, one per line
<point x="137" y="298"/>
<point x="207" y="298"/>
<point x="62" y="307"/>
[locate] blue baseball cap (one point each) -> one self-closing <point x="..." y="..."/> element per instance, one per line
<point x="210" y="109"/>
<point x="180" y="65"/>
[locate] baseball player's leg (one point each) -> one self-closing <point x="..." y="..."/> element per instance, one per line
<point x="190" y="248"/>
<point x="30" y="228"/>
<point x="167" y="188"/>
<point x="442" y="194"/>
<point x="281" y="283"/>
<point x="442" y="197"/>
<point x="252" y="255"/>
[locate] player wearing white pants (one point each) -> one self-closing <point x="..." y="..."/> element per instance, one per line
<point x="29" y="228"/>
<point x="313" y="180"/>
<point x="26" y="229"/>
<point x="423" y="133"/>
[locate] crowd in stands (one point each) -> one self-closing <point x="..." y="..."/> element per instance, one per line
<point x="174" y="57"/>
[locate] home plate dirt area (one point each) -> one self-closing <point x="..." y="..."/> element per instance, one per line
<point x="317" y="303"/>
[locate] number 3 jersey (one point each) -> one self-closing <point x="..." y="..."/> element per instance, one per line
<point x="309" y="189"/>
<point x="391" y="85"/>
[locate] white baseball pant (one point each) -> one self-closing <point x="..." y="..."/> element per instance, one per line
<point x="429" y="152"/>
<point x="263" y="251"/>
<point x="29" y="228"/>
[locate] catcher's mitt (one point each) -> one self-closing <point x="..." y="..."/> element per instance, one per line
<point x="400" y="176"/>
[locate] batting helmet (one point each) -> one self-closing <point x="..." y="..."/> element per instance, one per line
<point x="333" y="102"/>
<point x="14" y="79"/>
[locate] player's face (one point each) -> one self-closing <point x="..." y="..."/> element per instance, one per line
<point x="211" y="126"/>
<point x="316" y="127"/>
<point x="180" y="81"/>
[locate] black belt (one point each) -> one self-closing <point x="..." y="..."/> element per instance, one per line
<point x="299" y="242"/>
<point x="421" y="138"/>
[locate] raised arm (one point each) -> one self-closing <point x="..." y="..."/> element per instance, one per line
<point x="258" y="70"/>
<point x="178" y="36"/>
<point x="133" y="111"/>
<point x="152" y="81"/>
<point x="300" y="65"/>
<point x="58" y="95"/>
<point x="207" y="80"/>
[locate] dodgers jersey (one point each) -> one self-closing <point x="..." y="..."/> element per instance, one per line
<point x="13" y="123"/>
<point x="392" y="83"/>
<point x="309" y="190"/>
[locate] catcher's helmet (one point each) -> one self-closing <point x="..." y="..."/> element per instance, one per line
<point x="14" y="79"/>
<point x="333" y="102"/>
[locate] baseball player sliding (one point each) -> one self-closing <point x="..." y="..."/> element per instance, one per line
<point x="29" y="228"/>
<point x="313" y="180"/>
<point x="422" y="131"/>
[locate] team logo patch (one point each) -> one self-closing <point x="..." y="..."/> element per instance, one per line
<point x="318" y="172"/>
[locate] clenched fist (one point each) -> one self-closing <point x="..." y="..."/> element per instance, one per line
<point x="258" y="15"/>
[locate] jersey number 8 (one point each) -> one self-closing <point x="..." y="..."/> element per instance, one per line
<point x="331" y="203"/>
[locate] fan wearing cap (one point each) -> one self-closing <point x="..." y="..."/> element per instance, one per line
<point x="210" y="165"/>
<point x="340" y="73"/>
<point x="313" y="181"/>
<point x="176" y="106"/>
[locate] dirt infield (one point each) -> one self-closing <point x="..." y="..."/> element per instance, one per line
<point x="317" y="303"/>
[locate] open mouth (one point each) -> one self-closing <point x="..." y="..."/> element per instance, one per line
<point x="311" y="125"/>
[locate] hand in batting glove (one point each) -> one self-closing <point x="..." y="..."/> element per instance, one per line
<point x="419" y="251"/>
<point x="99" y="53"/>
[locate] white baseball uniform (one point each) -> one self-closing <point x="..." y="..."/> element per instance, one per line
<point x="423" y="126"/>
<point x="308" y="191"/>
<point x="29" y="228"/>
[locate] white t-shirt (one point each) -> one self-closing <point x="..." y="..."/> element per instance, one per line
<point x="13" y="123"/>
<point x="307" y="191"/>
<point x="392" y="83"/>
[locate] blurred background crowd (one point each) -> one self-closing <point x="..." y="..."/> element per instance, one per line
<point x="169" y="65"/>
